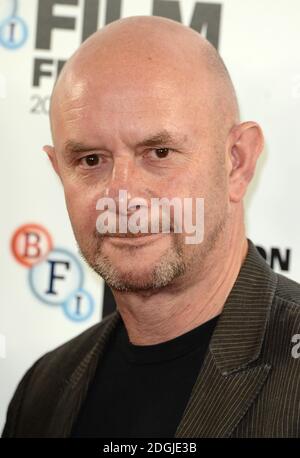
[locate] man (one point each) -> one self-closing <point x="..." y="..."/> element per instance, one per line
<point x="201" y="342"/>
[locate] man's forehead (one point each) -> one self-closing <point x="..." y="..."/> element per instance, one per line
<point x="125" y="90"/>
<point x="130" y="110"/>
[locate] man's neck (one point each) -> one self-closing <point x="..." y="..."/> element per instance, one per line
<point x="161" y="316"/>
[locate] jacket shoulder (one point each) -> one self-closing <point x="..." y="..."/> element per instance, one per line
<point x="39" y="387"/>
<point x="283" y="324"/>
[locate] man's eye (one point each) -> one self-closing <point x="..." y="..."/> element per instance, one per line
<point x="159" y="153"/>
<point x="90" y="161"/>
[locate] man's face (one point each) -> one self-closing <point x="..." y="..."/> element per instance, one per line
<point x="100" y="127"/>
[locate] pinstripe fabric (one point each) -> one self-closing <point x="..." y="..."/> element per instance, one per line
<point x="248" y="386"/>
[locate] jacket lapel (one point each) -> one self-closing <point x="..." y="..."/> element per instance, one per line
<point x="232" y="374"/>
<point x="74" y="389"/>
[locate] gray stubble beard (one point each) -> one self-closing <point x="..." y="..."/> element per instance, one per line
<point x="172" y="263"/>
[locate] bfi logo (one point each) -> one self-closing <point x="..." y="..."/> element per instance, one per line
<point x="55" y="275"/>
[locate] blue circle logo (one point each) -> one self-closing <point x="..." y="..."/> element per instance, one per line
<point x="56" y="277"/>
<point x="13" y="30"/>
<point x="79" y="306"/>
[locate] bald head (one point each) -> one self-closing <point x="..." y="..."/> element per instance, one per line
<point x="151" y="49"/>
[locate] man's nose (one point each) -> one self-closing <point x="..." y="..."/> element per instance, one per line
<point x="124" y="177"/>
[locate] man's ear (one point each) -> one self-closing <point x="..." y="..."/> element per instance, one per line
<point x="50" y="151"/>
<point x="245" y="143"/>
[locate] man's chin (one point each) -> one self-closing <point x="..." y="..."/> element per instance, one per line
<point x="140" y="276"/>
<point x="122" y="278"/>
<point x="133" y="286"/>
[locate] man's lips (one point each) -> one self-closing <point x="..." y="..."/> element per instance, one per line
<point x="133" y="239"/>
<point x="131" y="236"/>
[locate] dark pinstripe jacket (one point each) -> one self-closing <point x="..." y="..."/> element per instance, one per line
<point x="248" y="386"/>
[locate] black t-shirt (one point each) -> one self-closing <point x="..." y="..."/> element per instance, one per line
<point x="142" y="390"/>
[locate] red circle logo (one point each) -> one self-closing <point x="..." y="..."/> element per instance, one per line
<point x="30" y="244"/>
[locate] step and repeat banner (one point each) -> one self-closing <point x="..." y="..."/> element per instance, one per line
<point x="44" y="304"/>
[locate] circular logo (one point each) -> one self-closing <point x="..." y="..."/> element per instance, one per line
<point x="30" y="244"/>
<point x="13" y="32"/>
<point x="79" y="306"/>
<point x="56" y="277"/>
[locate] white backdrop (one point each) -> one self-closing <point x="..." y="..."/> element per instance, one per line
<point x="259" y="41"/>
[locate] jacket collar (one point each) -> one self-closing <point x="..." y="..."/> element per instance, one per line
<point x="238" y="338"/>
